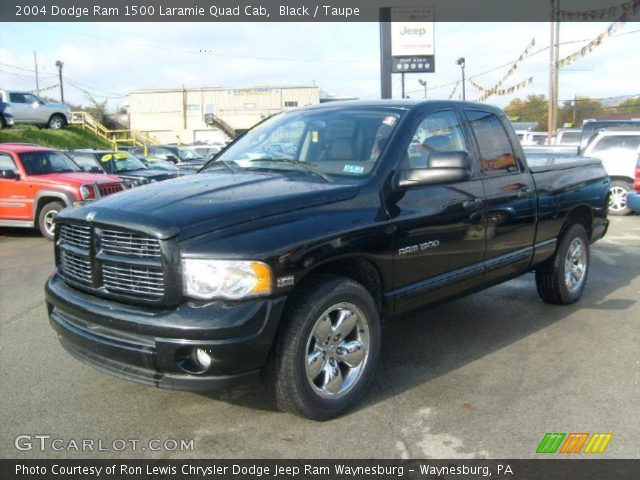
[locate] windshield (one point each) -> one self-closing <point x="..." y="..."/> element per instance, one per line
<point x="42" y="163"/>
<point x="334" y="142"/>
<point x="122" y="162"/>
<point x="86" y="162"/>
<point x="188" y="154"/>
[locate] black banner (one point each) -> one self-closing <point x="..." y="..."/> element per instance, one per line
<point x="551" y="469"/>
<point x="300" y="11"/>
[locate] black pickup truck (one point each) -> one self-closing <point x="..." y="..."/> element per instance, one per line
<point x="286" y="254"/>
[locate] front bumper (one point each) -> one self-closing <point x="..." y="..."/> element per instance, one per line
<point x="156" y="347"/>
<point x="633" y="201"/>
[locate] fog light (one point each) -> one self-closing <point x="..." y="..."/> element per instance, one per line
<point x="203" y="358"/>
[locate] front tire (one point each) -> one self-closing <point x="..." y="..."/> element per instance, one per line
<point x="618" y="197"/>
<point x="46" y="219"/>
<point x="562" y="279"/>
<point x="327" y="354"/>
<point x="56" y="122"/>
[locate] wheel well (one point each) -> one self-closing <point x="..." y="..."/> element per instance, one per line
<point x="581" y="215"/>
<point x="622" y="179"/>
<point x="360" y="270"/>
<point x="42" y="202"/>
<point x="64" y="119"/>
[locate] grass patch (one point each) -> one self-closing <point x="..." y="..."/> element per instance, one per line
<point x="65" y="138"/>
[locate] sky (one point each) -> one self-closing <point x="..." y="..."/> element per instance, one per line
<point x="110" y="59"/>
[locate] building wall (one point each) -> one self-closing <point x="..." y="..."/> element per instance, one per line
<point x="178" y="115"/>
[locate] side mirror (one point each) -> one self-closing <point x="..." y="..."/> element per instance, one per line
<point x="442" y="167"/>
<point x="95" y="170"/>
<point x="9" y="174"/>
<point x="172" y="158"/>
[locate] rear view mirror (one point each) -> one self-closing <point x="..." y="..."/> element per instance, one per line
<point x="9" y="174"/>
<point x="442" y="168"/>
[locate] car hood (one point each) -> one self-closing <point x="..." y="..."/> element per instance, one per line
<point x="75" y="178"/>
<point x="203" y="203"/>
<point x="150" y="174"/>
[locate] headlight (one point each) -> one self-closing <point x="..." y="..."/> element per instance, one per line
<point x="87" y="191"/>
<point x="228" y="279"/>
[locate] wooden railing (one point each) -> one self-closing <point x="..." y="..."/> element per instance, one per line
<point x="115" y="137"/>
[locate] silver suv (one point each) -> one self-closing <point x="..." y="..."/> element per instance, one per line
<point x="29" y="108"/>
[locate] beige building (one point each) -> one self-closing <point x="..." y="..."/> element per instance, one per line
<point x="212" y="113"/>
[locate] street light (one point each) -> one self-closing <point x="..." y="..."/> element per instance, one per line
<point x="59" y="64"/>
<point x="460" y="62"/>
<point x="424" y="84"/>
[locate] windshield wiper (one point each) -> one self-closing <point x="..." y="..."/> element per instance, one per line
<point x="304" y="165"/>
<point x="226" y="163"/>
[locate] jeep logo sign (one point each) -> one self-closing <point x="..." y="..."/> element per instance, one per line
<point x="412" y="31"/>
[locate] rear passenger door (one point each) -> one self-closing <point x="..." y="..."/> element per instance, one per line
<point x="440" y="238"/>
<point x="510" y="197"/>
<point x="20" y="109"/>
<point x="15" y="195"/>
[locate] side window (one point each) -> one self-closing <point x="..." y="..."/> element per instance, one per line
<point x="437" y="132"/>
<point x="17" y="98"/>
<point x="7" y="163"/>
<point x="496" y="153"/>
<point x="627" y="142"/>
<point x="28" y="98"/>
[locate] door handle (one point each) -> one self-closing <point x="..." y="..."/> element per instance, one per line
<point x="471" y="205"/>
<point x="524" y="192"/>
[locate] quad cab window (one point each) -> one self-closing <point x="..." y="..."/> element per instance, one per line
<point x="496" y="153"/>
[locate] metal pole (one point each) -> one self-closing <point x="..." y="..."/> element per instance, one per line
<point x="575" y="108"/>
<point x="464" y="89"/>
<point x="385" y="53"/>
<point x="402" y="78"/>
<point x="35" y="61"/>
<point x="425" y="90"/>
<point x="59" y="64"/>
<point x="553" y="67"/>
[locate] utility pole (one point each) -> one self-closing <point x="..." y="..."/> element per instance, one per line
<point x="59" y="64"/>
<point x="461" y="62"/>
<point x="35" y="61"/>
<point x="424" y="84"/>
<point x="553" y="67"/>
<point x="575" y="108"/>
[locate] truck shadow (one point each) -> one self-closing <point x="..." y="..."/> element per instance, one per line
<point x="441" y="339"/>
<point x="19" y="232"/>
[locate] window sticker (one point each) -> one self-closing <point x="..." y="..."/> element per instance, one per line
<point x="357" y="169"/>
<point x="106" y="158"/>
<point x="314" y="136"/>
<point x="389" y="120"/>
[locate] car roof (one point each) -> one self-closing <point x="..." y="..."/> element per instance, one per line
<point x="24" y="147"/>
<point x="628" y="130"/>
<point x="406" y="104"/>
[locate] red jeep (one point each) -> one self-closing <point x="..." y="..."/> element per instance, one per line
<point x="37" y="182"/>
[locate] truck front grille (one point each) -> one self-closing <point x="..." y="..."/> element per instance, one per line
<point x="111" y="261"/>
<point x="109" y="188"/>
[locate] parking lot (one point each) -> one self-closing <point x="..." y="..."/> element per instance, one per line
<point x="485" y="376"/>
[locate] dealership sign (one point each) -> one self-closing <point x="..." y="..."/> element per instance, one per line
<point x="412" y="39"/>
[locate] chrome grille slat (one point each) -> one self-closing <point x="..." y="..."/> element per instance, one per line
<point x="130" y="244"/>
<point x="133" y="279"/>
<point x="75" y="267"/>
<point x="76" y="235"/>
<point x="109" y="188"/>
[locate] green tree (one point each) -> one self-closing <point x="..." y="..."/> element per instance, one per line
<point x="631" y="105"/>
<point x="534" y="108"/>
<point x="574" y="112"/>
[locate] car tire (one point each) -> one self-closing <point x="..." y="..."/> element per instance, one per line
<point x="326" y="354"/>
<point x="3" y="123"/>
<point x="562" y="279"/>
<point x="618" y="197"/>
<point x="56" y="122"/>
<point x="45" y="219"/>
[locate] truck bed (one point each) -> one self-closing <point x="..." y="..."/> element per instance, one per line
<point x="546" y="162"/>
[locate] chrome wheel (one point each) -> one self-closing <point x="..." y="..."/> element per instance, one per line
<point x="49" y="224"/>
<point x="617" y="199"/>
<point x="575" y="265"/>
<point x="56" y="123"/>
<point x="337" y="350"/>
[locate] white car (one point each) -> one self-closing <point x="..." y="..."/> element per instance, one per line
<point x="618" y="150"/>
<point x="28" y="108"/>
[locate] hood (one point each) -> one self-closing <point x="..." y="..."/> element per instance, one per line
<point x="202" y="203"/>
<point x="150" y="174"/>
<point x="75" y="178"/>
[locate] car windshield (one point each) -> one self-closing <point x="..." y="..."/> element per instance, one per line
<point x="122" y="162"/>
<point x="86" y="162"/>
<point x="45" y="162"/>
<point x="333" y="142"/>
<point x="187" y="154"/>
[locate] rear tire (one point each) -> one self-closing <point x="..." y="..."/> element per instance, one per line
<point x="327" y="353"/>
<point x="618" y="197"/>
<point x="46" y="219"/>
<point x="562" y="279"/>
<point x="56" y="122"/>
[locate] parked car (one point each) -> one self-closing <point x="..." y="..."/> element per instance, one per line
<point x="6" y="117"/>
<point x="36" y="183"/>
<point x="172" y="153"/>
<point x="617" y="148"/>
<point x="32" y="109"/>
<point x="633" y="198"/>
<point x="568" y="136"/>
<point x="205" y="151"/>
<point x="534" y="138"/>
<point x="291" y="265"/>
<point x="591" y="127"/>
<point x="123" y="164"/>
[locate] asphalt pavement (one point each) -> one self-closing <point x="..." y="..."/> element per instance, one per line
<point x="482" y="377"/>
